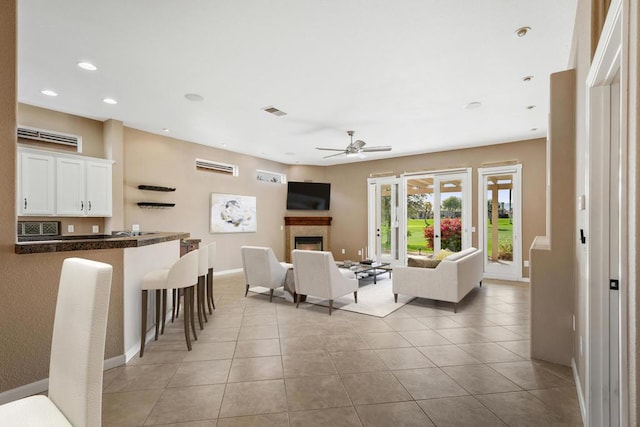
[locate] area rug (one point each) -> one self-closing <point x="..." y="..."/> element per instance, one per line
<point x="373" y="299"/>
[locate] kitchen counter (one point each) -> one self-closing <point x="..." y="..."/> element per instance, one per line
<point x="84" y="243"/>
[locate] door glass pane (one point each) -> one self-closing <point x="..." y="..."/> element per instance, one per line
<point x="420" y="216"/>
<point x="451" y="214"/>
<point x="385" y="219"/>
<point x="500" y="219"/>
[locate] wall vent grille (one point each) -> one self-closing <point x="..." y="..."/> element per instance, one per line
<point x="35" y="134"/>
<point x="213" y="166"/>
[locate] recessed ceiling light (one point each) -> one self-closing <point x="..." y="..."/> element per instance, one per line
<point x="473" y="105"/>
<point x="194" y="97"/>
<point x="522" y="31"/>
<point x="530" y="107"/>
<point x="527" y="79"/>
<point x="109" y="101"/>
<point x="49" y="92"/>
<point x="533" y="129"/>
<point x="224" y="145"/>
<point x="165" y="129"/>
<point x="86" y="65"/>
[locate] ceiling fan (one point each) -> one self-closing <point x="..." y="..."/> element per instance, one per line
<point x="355" y="148"/>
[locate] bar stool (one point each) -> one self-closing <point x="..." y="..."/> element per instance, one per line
<point x="183" y="274"/>
<point x="212" y="257"/>
<point x="203" y="266"/>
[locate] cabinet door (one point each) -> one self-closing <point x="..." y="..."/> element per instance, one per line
<point x="98" y="189"/>
<point x="70" y="195"/>
<point x="36" y="184"/>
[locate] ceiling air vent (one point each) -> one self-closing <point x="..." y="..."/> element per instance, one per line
<point x="26" y="132"/>
<point x="212" y="166"/>
<point x="273" y="110"/>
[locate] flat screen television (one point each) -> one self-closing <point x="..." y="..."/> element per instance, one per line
<point x="306" y="196"/>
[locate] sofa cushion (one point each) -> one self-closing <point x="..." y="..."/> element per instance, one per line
<point x="457" y="255"/>
<point x="422" y="262"/>
<point x="443" y="254"/>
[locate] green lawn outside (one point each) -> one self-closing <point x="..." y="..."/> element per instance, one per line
<point x="416" y="242"/>
<point x="505" y="233"/>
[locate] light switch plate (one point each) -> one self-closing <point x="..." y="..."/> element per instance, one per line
<point x="581" y="203"/>
<point x="95" y="228"/>
<point x="135" y="227"/>
<point x="70" y="228"/>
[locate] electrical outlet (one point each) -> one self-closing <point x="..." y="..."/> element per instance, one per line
<point x="343" y="252"/>
<point x="95" y="228"/>
<point x="526" y="263"/>
<point x="70" y="228"/>
<point x="359" y="252"/>
<point x="135" y="227"/>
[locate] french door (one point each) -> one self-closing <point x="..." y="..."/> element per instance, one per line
<point x="437" y="212"/>
<point x="384" y="229"/>
<point x="500" y="216"/>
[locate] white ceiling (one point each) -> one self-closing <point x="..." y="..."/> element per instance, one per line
<point x="397" y="72"/>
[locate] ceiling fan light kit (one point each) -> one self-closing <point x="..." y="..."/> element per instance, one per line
<point x="355" y="148"/>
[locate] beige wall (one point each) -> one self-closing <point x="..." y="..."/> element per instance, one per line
<point x="552" y="278"/>
<point x="349" y="189"/>
<point x="158" y="160"/>
<point x="90" y="130"/>
<point x="29" y="283"/>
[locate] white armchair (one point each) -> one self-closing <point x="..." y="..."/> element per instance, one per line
<point x="317" y="274"/>
<point x="77" y="352"/>
<point x="262" y="268"/>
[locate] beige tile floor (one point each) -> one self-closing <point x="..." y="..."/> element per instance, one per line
<point x="269" y="364"/>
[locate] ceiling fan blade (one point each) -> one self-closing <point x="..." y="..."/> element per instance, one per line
<point x="378" y="148"/>
<point x="333" y="155"/>
<point x="329" y="149"/>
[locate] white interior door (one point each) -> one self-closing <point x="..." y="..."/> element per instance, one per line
<point x="607" y="400"/>
<point x="499" y="213"/>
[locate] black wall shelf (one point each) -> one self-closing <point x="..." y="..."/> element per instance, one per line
<point x="155" y="188"/>
<point x="156" y="205"/>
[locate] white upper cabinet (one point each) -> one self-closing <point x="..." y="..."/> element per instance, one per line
<point x="63" y="185"/>
<point x="36" y="184"/>
<point x="98" y="189"/>
<point x="70" y="188"/>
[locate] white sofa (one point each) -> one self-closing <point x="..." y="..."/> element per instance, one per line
<point x="451" y="280"/>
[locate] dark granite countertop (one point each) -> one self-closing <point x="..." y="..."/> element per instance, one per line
<point x="86" y="243"/>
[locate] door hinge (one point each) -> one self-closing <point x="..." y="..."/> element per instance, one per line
<point x="614" y="285"/>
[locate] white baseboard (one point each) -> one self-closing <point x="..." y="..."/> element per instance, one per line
<point x="225" y="272"/>
<point x="43" y="385"/>
<point x="24" y="391"/>
<point x="576" y="379"/>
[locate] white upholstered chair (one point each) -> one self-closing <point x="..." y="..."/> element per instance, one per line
<point x="183" y="274"/>
<point x="77" y="352"/>
<point x="262" y="268"/>
<point x="317" y="274"/>
<point x="212" y="259"/>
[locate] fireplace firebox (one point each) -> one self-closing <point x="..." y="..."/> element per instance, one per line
<point x="309" y="243"/>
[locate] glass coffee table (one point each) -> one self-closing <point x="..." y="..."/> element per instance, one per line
<point x="366" y="270"/>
